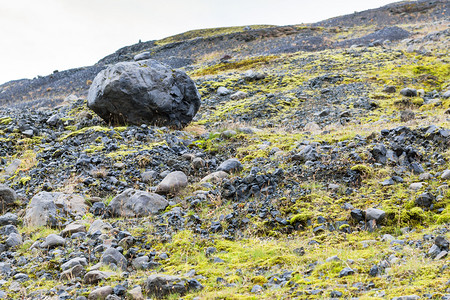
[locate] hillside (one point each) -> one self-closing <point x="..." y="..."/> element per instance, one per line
<point x="318" y="167"/>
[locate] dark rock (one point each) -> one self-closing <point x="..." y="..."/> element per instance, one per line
<point x="113" y="256"/>
<point x="379" y="153"/>
<point x="8" y="219"/>
<point x="409" y="92"/>
<point x="442" y="242"/>
<point x="134" y="203"/>
<point x="161" y="285"/>
<point x="144" y="92"/>
<point x="425" y="200"/>
<point x="358" y="215"/>
<point x="53" y="240"/>
<point x="346" y="272"/>
<point x="417" y="168"/>
<point x="230" y="166"/>
<point x="375" y="214"/>
<point x="7" y="196"/>
<point x="373" y="271"/>
<point x="389" y="89"/>
<point x="100" y="293"/>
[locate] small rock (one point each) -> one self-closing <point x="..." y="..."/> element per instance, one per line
<point x="389" y="89"/>
<point x="441" y="242"/>
<point x="134" y="203"/>
<point x="93" y="277"/>
<point x="14" y="240"/>
<point x="445" y="175"/>
<point x="113" y="256"/>
<point x="215" y="177"/>
<point x="135" y="294"/>
<point x="223" y="91"/>
<point x="53" y="240"/>
<point x="375" y="214"/>
<point x="256" y="289"/>
<point x="172" y="183"/>
<point x="425" y="176"/>
<point x="8" y="219"/>
<point x="416" y="186"/>
<point x="425" y="200"/>
<point x="238" y="95"/>
<point x="100" y="293"/>
<point x="373" y="271"/>
<point x="7" y="196"/>
<point x="409" y="92"/>
<point x="72" y="228"/>
<point x="346" y="272"/>
<point x="149" y="176"/>
<point x="231" y="165"/>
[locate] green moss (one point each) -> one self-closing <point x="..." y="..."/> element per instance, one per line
<point x="5" y="121"/>
<point x="413" y="216"/>
<point x="363" y="169"/>
<point x="301" y="218"/>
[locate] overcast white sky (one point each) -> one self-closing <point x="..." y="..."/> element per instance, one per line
<point x="39" y="36"/>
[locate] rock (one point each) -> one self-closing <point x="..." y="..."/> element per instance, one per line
<point x="417" y="168"/>
<point x="134" y="203"/>
<point x="415" y="186"/>
<point x="441" y="255"/>
<point x="215" y="177"/>
<point x="8" y="219"/>
<point x="75" y="271"/>
<point x="425" y="176"/>
<point x="375" y="214"/>
<point x="161" y="285"/>
<point x="5" y="268"/>
<point x="238" y="95"/>
<point x="100" y="293"/>
<point x="409" y="92"/>
<point x="46" y="208"/>
<point x="144" y="92"/>
<point x="53" y="240"/>
<point x="72" y="228"/>
<point x="142" y="56"/>
<point x="8" y="229"/>
<point x="198" y="163"/>
<point x="312" y="126"/>
<point x="99" y="225"/>
<point x="12" y="168"/>
<point x="358" y="215"/>
<point x="93" y="277"/>
<point x="346" y="272"/>
<point x="389" y="89"/>
<point x="256" y="289"/>
<point x="445" y="175"/>
<point x="141" y="262"/>
<point x="433" y="251"/>
<point x="408" y="297"/>
<point x="379" y="153"/>
<point x="373" y="271"/>
<point x="441" y="242"/>
<point x="7" y="196"/>
<point x="135" y="294"/>
<point x="13" y="240"/>
<point x="231" y="165"/>
<point x="223" y="91"/>
<point x="149" y="176"/>
<point x="53" y="120"/>
<point x="74" y="262"/>
<point x="425" y="200"/>
<point x="172" y="183"/>
<point x="113" y="256"/>
<point x="446" y="95"/>
<point x="407" y="115"/>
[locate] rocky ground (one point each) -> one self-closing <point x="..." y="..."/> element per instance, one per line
<point x="317" y="167"/>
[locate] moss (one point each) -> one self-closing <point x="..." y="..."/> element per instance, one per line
<point x="5" y="120"/>
<point x="363" y="170"/>
<point x="413" y="216"/>
<point x="301" y="218"/>
<point x="25" y="180"/>
<point x="259" y="280"/>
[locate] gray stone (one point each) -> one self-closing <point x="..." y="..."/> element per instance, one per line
<point x="8" y="229"/>
<point x="408" y="297"/>
<point x="256" y="289"/>
<point x="113" y="256"/>
<point x="53" y="240"/>
<point x="45" y="209"/>
<point x="446" y="95"/>
<point x="346" y="272"/>
<point x="14" y="240"/>
<point x="442" y="242"/>
<point x="7" y="196"/>
<point x="416" y="186"/>
<point x="140" y="263"/>
<point x="198" y="163"/>
<point x="100" y="293"/>
<point x="230" y="166"/>
<point x="433" y="251"/>
<point x="149" y="176"/>
<point x="74" y="262"/>
<point x="238" y="95"/>
<point x="5" y="268"/>
<point x="134" y="203"/>
<point x="99" y="225"/>
<point x="53" y="120"/>
<point x="409" y="92"/>
<point x="215" y="177"/>
<point x="94" y="277"/>
<point x="172" y="183"/>
<point x="441" y="255"/>
<point x="12" y="168"/>
<point x="445" y="175"/>
<point x="75" y="271"/>
<point x="8" y="219"/>
<point x="142" y="56"/>
<point x="425" y="200"/>
<point x="375" y="214"/>
<point x="135" y="294"/>
<point x="72" y="228"/>
<point x="144" y="92"/>
<point x="161" y="285"/>
<point x="223" y="91"/>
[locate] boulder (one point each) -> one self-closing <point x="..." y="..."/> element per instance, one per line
<point x="409" y="92"/>
<point x="144" y="92"/>
<point x="113" y="256"/>
<point x="135" y="203"/>
<point x="72" y="228"/>
<point x="7" y="196"/>
<point x="93" y="277"/>
<point x="161" y="285"/>
<point x="99" y="225"/>
<point x="172" y="183"/>
<point x="100" y="293"/>
<point x="53" y="240"/>
<point x="230" y="165"/>
<point x="375" y="214"/>
<point x="445" y="175"/>
<point x="215" y="177"/>
<point x="46" y="209"/>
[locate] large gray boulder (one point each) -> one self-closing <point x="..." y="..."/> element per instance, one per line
<point x="172" y="183"/>
<point x="50" y="209"/>
<point x="134" y="203"/>
<point x="144" y="92"/>
<point x="7" y="196"/>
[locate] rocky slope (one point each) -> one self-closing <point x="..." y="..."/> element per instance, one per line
<point x="317" y="167"/>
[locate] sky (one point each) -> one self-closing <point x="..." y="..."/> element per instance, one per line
<point x="40" y="36"/>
